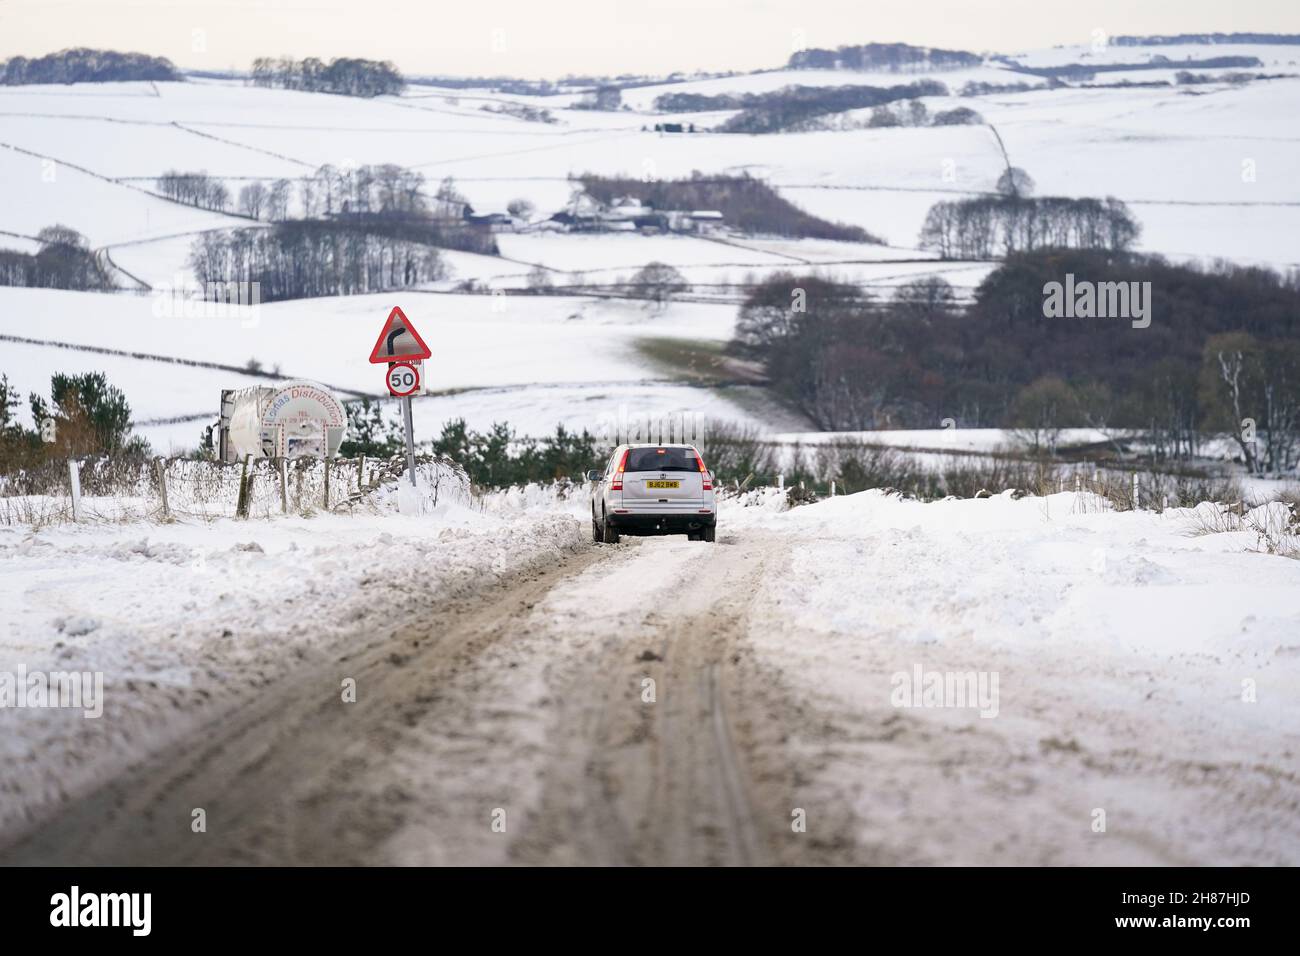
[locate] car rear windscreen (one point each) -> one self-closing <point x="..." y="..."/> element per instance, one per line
<point x="661" y="459"/>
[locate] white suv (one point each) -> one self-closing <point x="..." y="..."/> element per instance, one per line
<point x="653" y="489"/>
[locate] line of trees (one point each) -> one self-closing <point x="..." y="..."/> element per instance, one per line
<point x="523" y="111"/>
<point x="386" y="191"/>
<point x="792" y="106"/>
<point x="893" y="57"/>
<point x="988" y="227"/>
<point x="1223" y="347"/>
<point x="258" y="200"/>
<point x="978" y="88"/>
<point x="827" y="99"/>
<point x="1182" y="39"/>
<point x="346" y="76"/>
<point x="1083" y="72"/>
<point x="906" y="113"/>
<point x="194" y="189"/>
<point x="354" y="230"/>
<point x="304" y="259"/>
<point x="63" y="261"/>
<point x="383" y="191"/>
<point x="84" y="65"/>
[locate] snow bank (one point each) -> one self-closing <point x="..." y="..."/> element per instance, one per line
<point x="185" y="619"/>
<point x="1141" y="667"/>
<point x="1052" y="569"/>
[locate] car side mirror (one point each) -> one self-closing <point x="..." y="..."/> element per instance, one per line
<point x="593" y="475"/>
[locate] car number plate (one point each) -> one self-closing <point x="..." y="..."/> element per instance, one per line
<point x="663" y="484"/>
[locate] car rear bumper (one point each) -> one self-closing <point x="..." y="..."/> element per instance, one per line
<point x="662" y="523"/>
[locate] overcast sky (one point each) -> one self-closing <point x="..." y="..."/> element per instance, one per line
<point x="550" y="38"/>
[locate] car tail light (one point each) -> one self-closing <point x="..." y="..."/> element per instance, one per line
<point x="704" y="472"/>
<point x="616" y="483"/>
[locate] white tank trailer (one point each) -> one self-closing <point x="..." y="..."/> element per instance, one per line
<point x="292" y="420"/>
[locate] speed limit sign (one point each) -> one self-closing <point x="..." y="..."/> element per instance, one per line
<point x="403" y="379"/>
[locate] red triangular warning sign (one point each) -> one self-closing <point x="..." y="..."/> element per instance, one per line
<point x="399" y="342"/>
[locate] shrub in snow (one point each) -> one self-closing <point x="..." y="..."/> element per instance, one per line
<point x="798" y="495"/>
<point x="438" y="482"/>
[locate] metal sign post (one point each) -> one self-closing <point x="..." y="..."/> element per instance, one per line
<point x="410" y="438"/>
<point x="400" y="346"/>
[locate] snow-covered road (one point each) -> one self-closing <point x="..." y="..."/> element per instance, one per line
<point x="866" y="680"/>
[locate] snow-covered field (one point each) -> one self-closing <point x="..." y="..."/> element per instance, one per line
<point x="534" y="362"/>
<point x="1143" y="671"/>
<point x="1208" y="171"/>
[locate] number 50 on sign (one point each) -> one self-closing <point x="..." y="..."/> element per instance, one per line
<point x="403" y="379"/>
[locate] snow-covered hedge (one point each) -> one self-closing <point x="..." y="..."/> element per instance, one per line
<point x="116" y="490"/>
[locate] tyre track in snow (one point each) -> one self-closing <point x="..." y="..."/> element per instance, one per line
<point x="290" y="775"/>
<point x="525" y="697"/>
<point x="704" y="773"/>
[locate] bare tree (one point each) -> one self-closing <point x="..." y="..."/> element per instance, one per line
<point x="252" y="200"/>
<point x="1015" y="182"/>
<point x="451" y="203"/>
<point x="277" y="200"/>
<point x="1041" y="411"/>
<point x="929" y="297"/>
<point x="307" y="194"/>
<point x="1252" y="389"/>
<point x="539" y="280"/>
<point x="658" y="282"/>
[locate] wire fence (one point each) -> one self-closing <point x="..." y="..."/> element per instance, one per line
<point x="115" y="489"/>
<point x="107" y="489"/>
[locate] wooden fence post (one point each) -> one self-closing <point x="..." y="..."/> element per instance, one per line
<point x="327" y="483"/>
<point x="284" y="486"/>
<point x="74" y="483"/>
<point x="1135" y="491"/>
<point x="361" y="474"/>
<point x="160" y="467"/>
<point x="245" y="488"/>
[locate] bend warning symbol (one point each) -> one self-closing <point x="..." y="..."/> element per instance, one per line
<point x="399" y="342"/>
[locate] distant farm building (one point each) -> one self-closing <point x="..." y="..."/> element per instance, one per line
<point x="494" y="221"/>
<point x="629" y="214"/>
